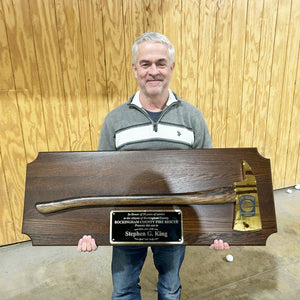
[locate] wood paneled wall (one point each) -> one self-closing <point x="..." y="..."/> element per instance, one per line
<point x="66" y="63"/>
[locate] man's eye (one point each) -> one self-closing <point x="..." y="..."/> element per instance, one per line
<point x="161" y="63"/>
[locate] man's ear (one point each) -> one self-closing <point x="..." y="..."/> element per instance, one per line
<point x="134" y="69"/>
<point x="173" y="66"/>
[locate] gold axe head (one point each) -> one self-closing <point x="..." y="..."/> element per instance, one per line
<point x="247" y="214"/>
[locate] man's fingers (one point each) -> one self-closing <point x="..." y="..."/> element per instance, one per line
<point x="219" y="245"/>
<point x="226" y="246"/>
<point x="213" y="245"/>
<point x="86" y="243"/>
<point x="83" y="246"/>
<point x="79" y="246"/>
<point x="94" y="246"/>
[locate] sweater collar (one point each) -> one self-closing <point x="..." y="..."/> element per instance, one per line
<point x="136" y="99"/>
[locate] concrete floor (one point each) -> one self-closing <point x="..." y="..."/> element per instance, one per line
<point x="270" y="272"/>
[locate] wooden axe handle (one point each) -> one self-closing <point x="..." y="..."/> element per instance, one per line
<point x="216" y="196"/>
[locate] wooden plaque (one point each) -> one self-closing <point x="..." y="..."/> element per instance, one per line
<point x="54" y="176"/>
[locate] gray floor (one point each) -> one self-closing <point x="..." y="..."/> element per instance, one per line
<point x="270" y="272"/>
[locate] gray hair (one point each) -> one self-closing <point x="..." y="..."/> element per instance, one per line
<point x="154" y="37"/>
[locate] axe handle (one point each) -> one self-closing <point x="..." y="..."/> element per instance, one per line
<point x="216" y="196"/>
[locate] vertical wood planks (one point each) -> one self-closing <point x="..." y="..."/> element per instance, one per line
<point x="221" y="72"/>
<point x="13" y="161"/>
<point x="263" y="84"/>
<point x="253" y="32"/>
<point x="206" y="54"/>
<point x="172" y="27"/>
<point x="292" y="169"/>
<point x="27" y="84"/>
<point x="292" y="174"/>
<point x="94" y="65"/>
<point x="6" y="75"/>
<point x="236" y="69"/>
<point x="134" y="26"/>
<point x="286" y="128"/>
<point x="7" y="227"/>
<point x="153" y="15"/>
<point x="189" y="50"/>
<point x="113" y="29"/>
<point x="48" y="57"/>
<point x="21" y="125"/>
<point x="277" y="79"/>
<point x="70" y="45"/>
<point x="66" y="63"/>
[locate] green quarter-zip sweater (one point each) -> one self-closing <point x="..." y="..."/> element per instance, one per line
<point x="129" y="127"/>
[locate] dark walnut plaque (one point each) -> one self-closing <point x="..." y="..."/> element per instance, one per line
<point x="69" y="194"/>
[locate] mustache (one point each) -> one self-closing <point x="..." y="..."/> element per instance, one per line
<point x="156" y="78"/>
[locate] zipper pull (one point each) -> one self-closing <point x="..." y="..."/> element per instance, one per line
<point x="155" y="127"/>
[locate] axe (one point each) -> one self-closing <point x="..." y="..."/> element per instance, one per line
<point x="242" y="193"/>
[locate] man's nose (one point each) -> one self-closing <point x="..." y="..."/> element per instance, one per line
<point x="153" y="70"/>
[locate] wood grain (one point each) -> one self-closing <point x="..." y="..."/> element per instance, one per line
<point x="70" y="43"/>
<point x="7" y="234"/>
<point x="172" y="28"/>
<point x="190" y="45"/>
<point x="25" y="72"/>
<point x="276" y="102"/>
<point x="66" y="63"/>
<point x="153" y="15"/>
<point x="114" y="52"/>
<point x="94" y="64"/>
<point x="7" y="228"/>
<point x="6" y="74"/>
<point x="292" y="172"/>
<point x="206" y="54"/>
<point x="221" y="72"/>
<point x="252" y="48"/>
<point x="43" y="15"/>
<point x="134" y="26"/>
<point x="236" y="69"/>
<point x="13" y="169"/>
<point x="285" y="126"/>
<point x="264" y="74"/>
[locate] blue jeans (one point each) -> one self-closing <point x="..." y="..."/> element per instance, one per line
<point x="127" y="263"/>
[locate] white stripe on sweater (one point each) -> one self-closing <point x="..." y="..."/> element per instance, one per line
<point x="146" y="133"/>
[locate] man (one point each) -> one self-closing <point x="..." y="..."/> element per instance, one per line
<point x="153" y="118"/>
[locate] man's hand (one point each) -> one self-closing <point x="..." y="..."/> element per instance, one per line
<point x="86" y="243"/>
<point x="219" y="245"/>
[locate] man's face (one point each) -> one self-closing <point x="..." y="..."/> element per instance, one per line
<point x="153" y="70"/>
